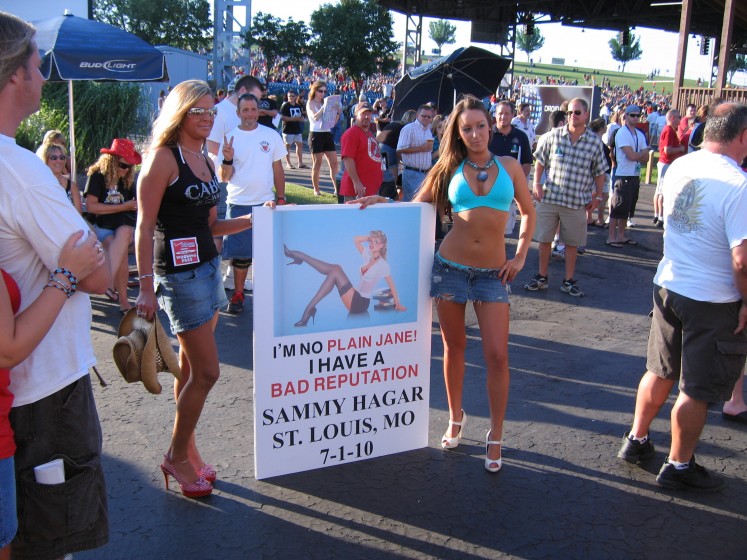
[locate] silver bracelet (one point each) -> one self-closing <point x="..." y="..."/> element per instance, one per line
<point x="143" y="276"/>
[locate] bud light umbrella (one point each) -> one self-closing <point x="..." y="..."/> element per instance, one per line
<point x="467" y="70"/>
<point x="74" y="48"/>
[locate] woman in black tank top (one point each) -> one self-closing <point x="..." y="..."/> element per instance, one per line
<point x="179" y="266"/>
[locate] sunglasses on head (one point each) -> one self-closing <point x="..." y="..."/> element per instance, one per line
<point x="199" y="111"/>
<point x="576" y="112"/>
<point x="55" y="158"/>
<point x="124" y="165"/>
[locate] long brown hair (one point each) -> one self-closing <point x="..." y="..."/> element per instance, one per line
<point x="453" y="153"/>
<point x="108" y="166"/>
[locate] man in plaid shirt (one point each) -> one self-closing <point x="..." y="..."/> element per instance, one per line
<point x="574" y="162"/>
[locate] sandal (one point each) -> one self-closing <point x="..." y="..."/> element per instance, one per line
<point x="451" y="442"/>
<point x="629" y="242"/>
<point x="111" y="295"/>
<point x="492" y="465"/>
<point x="614" y="244"/>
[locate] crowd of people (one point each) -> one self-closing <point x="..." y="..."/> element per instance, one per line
<point x="472" y="165"/>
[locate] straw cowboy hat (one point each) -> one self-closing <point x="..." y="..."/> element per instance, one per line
<point x="143" y="350"/>
<point x="125" y="149"/>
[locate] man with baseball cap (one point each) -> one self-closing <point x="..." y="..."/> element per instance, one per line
<point x="361" y="156"/>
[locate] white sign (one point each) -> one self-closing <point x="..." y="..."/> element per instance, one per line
<point x="342" y="329"/>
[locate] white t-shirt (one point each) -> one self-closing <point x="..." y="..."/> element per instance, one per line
<point x="315" y="125"/>
<point x="705" y="205"/>
<point x="527" y="129"/>
<point x="225" y="120"/>
<point x="36" y="220"/>
<point x="625" y="137"/>
<point x="254" y="153"/>
<point x="379" y="270"/>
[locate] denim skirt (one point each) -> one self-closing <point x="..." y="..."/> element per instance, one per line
<point x="192" y="297"/>
<point x="455" y="282"/>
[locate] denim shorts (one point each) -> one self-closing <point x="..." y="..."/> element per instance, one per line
<point x="102" y="233"/>
<point x="8" y="518"/>
<point x="452" y="281"/>
<point x="238" y="245"/>
<point x="192" y="297"/>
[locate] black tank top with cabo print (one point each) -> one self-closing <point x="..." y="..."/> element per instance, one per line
<point x="183" y="239"/>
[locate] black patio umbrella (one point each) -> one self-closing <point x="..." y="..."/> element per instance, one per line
<point x="467" y="70"/>
<point x="74" y="48"/>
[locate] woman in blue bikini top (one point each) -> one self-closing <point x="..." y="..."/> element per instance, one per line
<point x="477" y="187"/>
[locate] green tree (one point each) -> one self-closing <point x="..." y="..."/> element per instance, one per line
<point x="625" y="53"/>
<point x="185" y="24"/>
<point x="530" y="42"/>
<point x="103" y="110"/>
<point x="442" y="33"/>
<point x="276" y="39"/>
<point x="738" y="64"/>
<point x="356" y="35"/>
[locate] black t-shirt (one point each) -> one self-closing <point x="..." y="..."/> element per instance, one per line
<point x="183" y="239"/>
<point x="96" y="186"/>
<point x="390" y="135"/>
<point x="268" y="105"/>
<point x="288" y="110"/>
<point x="514" y="144"/>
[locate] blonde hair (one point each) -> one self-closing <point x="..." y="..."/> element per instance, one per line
<point x="182" y="98"/>
<point x="452" y="154"/>
<point x="47" y="150"/>
<point x="16" y="45"/>
<point x="381" y="236"/>
<point x="54" y="137"/>
<point x="438" y="119"/>
<point x="108" y="166"/>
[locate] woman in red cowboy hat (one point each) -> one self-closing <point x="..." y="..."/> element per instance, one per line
<point x="110" y="198"/>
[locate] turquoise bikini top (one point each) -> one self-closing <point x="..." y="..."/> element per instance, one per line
<point x="463" y="198"/>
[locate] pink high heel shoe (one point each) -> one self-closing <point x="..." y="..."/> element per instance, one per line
<point x="196" y="489"/>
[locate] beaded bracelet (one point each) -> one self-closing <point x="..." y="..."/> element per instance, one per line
<point x="54" y="283"/>
<point x="70" y="276"/>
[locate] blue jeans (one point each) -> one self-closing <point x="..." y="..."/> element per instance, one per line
<point x="411" y="182"/>
<point x="8" y="518"/>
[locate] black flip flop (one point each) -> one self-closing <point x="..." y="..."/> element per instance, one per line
<point x="614" y="244"/>
<point x="630" y="242"/>
<point x="740" y="418"/>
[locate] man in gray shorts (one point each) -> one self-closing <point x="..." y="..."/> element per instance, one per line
<point x="574" y="160"/>
<point x="697" y="335"/>
<point x="292" y="115"/>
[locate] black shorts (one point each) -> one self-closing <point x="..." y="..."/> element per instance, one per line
<point x="54" y="520"/>
<point x="320" y="142"/>
<point x="624" y="192"/>
<point x="693" y="341"/>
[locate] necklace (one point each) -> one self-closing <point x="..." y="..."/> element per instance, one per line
<point x="482" y="172"/>
<point x="189" y="151"/>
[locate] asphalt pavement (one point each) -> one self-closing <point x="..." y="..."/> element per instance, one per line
<point x="562" y="493"/>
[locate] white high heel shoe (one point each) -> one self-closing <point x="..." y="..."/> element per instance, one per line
<point x="492" y="465"/>
<point x="451" y="442"/>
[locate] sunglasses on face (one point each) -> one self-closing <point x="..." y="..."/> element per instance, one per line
<point x="124" y="165"/>
<point x="199" y="111"/>
<point x="55" y="158"/>
<point x="576" y="112"/>
<point x="321" y="91"/>
<point x="634" y="115"/>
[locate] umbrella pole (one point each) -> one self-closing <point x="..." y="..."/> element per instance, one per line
<point x="71" y="118"/>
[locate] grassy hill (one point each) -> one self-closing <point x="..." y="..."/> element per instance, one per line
<point x="616" y="78"/>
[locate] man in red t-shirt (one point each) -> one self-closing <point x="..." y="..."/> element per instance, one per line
<point x="361" y="157"/>
<point x="670" y="148"/>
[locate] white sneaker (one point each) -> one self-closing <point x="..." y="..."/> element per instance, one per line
<point x="631" y="223"/>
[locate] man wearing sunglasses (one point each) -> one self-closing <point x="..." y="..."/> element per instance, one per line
<point x="574" y="162"/>
<point x="631" y="150"/>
